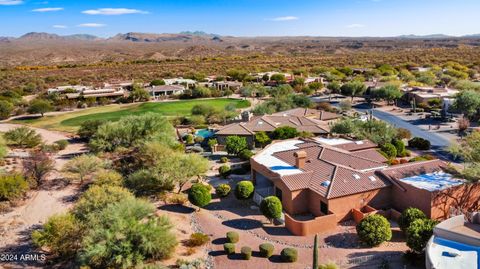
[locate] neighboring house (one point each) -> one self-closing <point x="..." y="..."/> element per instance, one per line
<point x="223" y="85"/>
<point x="165" y="90"/>
<point x="69" y="89"/>
<point x="322" y="182"/>
<point x="188" y="83"/>
<point x="310" y="113"/>
<point x="268" y="124"/>
<point x="455" y="243"/>
<point x="100" y="93"/>
<point x="425" y="94"/>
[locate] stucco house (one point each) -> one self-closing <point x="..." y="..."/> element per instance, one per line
<point x="268" y="124"/>
<point x="322" y="182"/>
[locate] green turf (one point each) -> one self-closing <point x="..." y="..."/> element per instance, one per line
<point x="70" y="121"/>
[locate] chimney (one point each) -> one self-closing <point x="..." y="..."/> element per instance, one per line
<point x="300" y="158"/>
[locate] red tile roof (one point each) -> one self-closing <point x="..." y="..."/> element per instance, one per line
<point x="269" y="123"/>
<point x="332" y="172"/>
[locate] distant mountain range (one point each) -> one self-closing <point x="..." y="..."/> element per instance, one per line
<point x="184" y="36"/>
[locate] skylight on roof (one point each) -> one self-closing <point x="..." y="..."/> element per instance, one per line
<point x="356" y="176"/>
<point x="326" y="183"/>
<point x="372" y="178"/>
<point x="260" y="122"/>
<point x="359" y="142"/>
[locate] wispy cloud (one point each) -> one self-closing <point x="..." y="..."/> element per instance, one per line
<point x="48" y="9"/>
<point x="285" y="18"/>
<point x="92" y="25"/>
<point x="10" y="2"/>
<point x="355" y="25"/>
<point x="60" y="26"/>
<point x="113" y="11"/>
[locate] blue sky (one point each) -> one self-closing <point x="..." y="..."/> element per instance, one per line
<point x="242" y="17"/>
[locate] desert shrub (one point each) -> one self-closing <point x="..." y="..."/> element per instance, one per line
<point x="12" y="186"/>
<point x="246" y="253"/>
<point x="285" y="132"/>
<point x="244" y="190"/>
<point x="61" y="234"/>
<point x="61" y="144"/>
<point x="88" y="128"/>
<point x="189" y="139"/>
<point x="266" y="250"/>
<point x="394" y="162"/>
<point x="419" y="143"/>
<point x="107" y="177"/>
<point x="245" y="154"/>
<point x="403" y="133"/>
<point x="125" y="234"/>
<point x="224" y="170"/>
<point x="289" y="255"/>
<point x="374" y="230"/>
<point x="223" y="190"/>
<point x="389" y="150"/>
<point x="198" y="239"/>
<point x="199" y="195"/>
<point x="133" y="130"/>
<point x="176" y="198"/>
<point x="232" y="237"/>
<point x="97" y="198"/>
<point x="224" y="160"/>
<point x="271" y="208"/>
<point x="418" y="233"/>
<point x="184" y="264"/>
<point x="408" y="216"/>
<point x="235" y="144"/>
<point x="198" y="139"/>
<point x="23" y="137"/>
<point x="83" y="166"/>
<point x="147" y="182"/>
<point x="229" y="248"/>
<point x="400" y="146"/>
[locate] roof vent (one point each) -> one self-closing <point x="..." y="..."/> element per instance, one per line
<point x="356" y="176"/>
<point x="372" y="178"/>
<point x="359" y="142"/>
<point x="260" y="122"/>
<point x="325" y="183"/>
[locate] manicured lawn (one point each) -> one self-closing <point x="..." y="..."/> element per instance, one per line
<point x="71" y="121"/>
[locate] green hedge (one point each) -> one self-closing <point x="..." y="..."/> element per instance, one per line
<point x="374" y="230"/>
<point x="233" y="237"/>
<point x="244" y="190"/>
<point x="223" y="190"/>
<point x="229" y="248"/>
<point x="289" y="255"/>
<point x="246" y="253"/>
<point x="266" y="250"/>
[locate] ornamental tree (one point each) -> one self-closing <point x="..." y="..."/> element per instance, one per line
<point x="271" y="208"/>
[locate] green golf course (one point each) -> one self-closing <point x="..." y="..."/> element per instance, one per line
<point x="69" y="122"/>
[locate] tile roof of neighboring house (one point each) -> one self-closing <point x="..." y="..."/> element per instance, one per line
<point x="269" y="123"/>
<point x="332" y="172"/>
<point x="357" y="145"/>
<point x="309" y="113"/>
<point x="166" y="88"/>
<point x="398" y="172"/>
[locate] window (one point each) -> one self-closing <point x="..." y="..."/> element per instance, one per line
<point x="324" y="208"/>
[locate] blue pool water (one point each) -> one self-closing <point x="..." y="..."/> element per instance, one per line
<point x="205" y="133"/>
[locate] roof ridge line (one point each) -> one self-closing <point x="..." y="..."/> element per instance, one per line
<point x="332" y="181"/>
<point x="410" y="164"/>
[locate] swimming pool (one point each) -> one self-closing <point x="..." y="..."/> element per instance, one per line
<point x="205" y="133"/>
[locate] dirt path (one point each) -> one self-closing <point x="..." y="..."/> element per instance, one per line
<point x="55" y="196"/>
